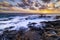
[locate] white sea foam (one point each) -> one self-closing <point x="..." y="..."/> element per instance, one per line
<point x="19" y="21"/>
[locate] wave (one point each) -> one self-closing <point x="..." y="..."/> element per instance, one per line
<point x="22" y="21"/>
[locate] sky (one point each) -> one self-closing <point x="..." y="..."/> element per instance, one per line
<point x="13" y="2"/>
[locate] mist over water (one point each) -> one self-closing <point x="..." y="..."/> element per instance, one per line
<point x="17" y="22"/>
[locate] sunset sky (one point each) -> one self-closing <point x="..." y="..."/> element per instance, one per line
<point x="19" y="5"/>
<point x="13" y="2"/>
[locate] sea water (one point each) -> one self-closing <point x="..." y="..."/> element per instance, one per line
<point x="17" y="21"/>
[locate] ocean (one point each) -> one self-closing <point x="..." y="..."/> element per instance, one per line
<point x="18" y="20"/>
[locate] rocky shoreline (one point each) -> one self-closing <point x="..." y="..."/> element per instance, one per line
<point x="49" y="33"/>
<point x="51" y="30"/>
